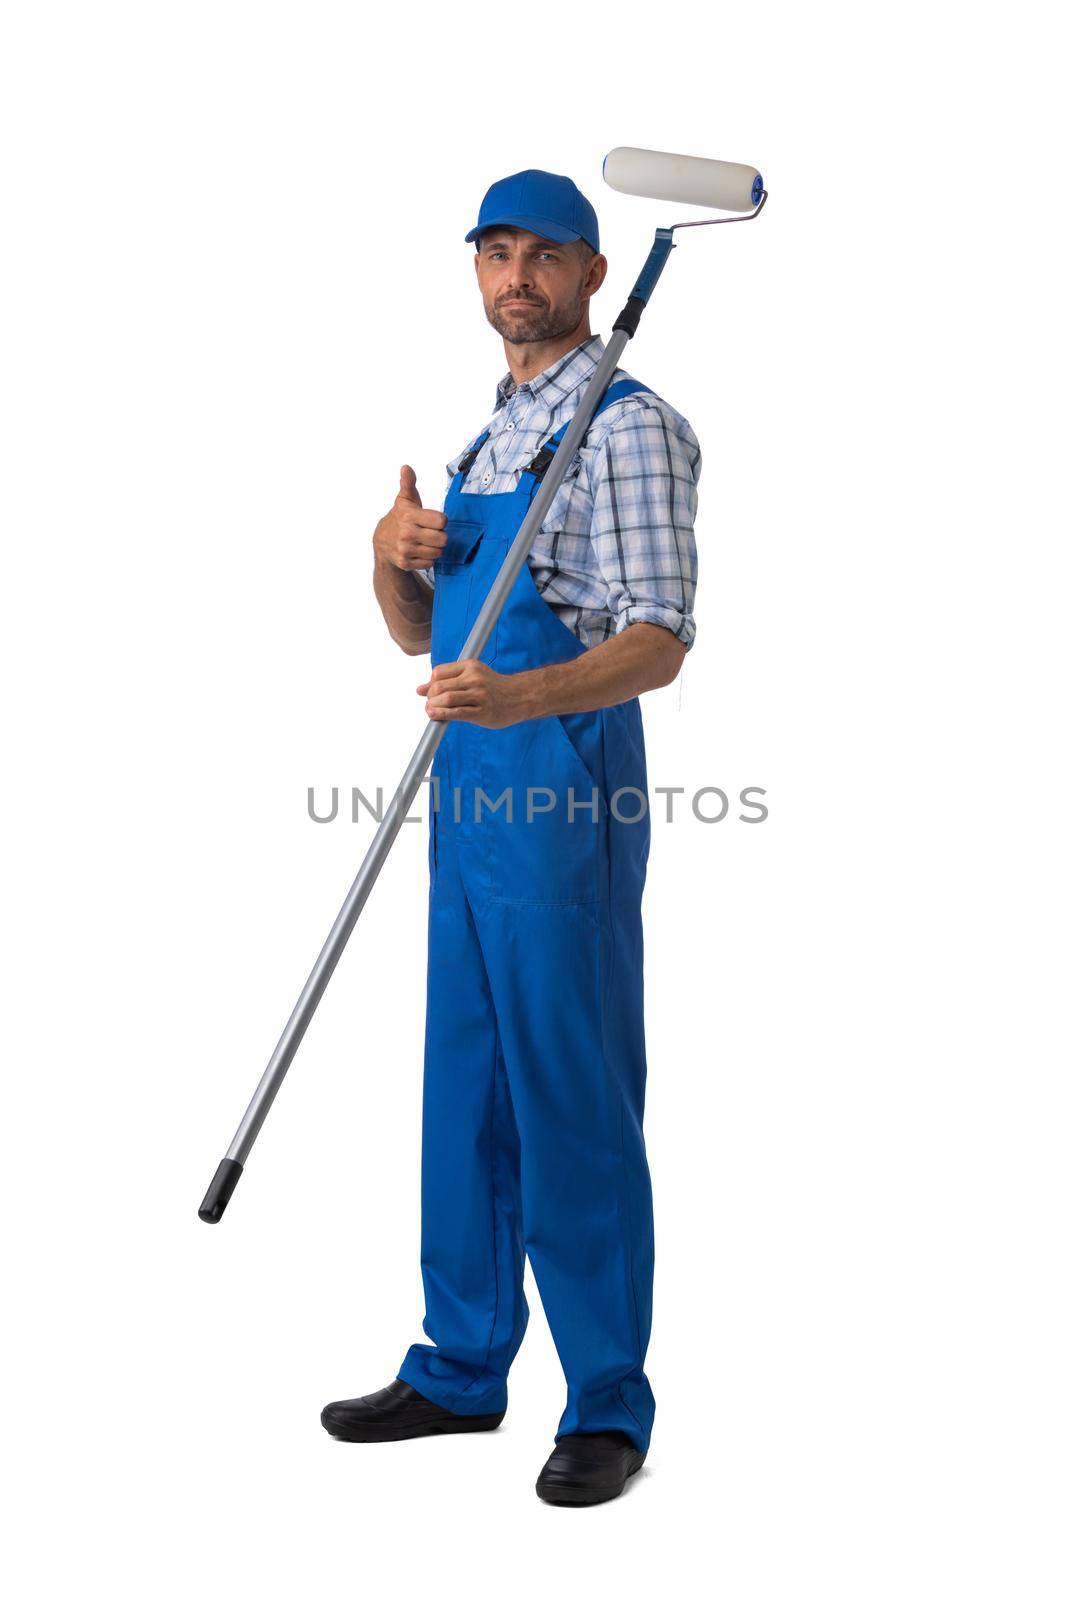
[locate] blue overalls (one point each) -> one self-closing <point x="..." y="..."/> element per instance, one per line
<point x="535" y="1051"/>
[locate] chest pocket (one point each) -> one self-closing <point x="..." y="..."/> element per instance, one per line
<point x="568" y="500"/>
<point x="463" y="540"/>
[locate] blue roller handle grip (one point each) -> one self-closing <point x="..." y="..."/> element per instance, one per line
<point x="648" y="278"/>
<point x="657" y="260"/>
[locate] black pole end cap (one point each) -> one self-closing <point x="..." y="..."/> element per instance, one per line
<point x="219" y="1190"/>
<point x="628" y="318"/>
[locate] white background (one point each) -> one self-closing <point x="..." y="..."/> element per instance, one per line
<point x="236" y="299"/>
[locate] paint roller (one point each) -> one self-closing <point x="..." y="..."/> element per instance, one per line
<point x="653" y="175"/>
<point x="687" y="180"/>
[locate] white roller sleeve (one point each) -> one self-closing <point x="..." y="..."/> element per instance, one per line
<point x="690" y="180"/>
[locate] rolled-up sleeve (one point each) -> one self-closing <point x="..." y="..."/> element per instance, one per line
<point x="643" y="479"/>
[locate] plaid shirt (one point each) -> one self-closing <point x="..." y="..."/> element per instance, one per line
<point x="617" y="546"/>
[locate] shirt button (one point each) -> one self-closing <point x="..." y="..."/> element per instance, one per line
<point x="487" y="477"/>
<point x="509" y="427"/>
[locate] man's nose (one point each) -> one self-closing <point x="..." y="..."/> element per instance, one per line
<point x="520" y="276"/>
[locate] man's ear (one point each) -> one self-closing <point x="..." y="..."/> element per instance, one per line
<point x="596" y="272"/>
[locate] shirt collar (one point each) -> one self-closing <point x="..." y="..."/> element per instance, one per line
<point x="560" y="379"/>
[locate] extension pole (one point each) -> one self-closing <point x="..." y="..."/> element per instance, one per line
<point x="232" y="1165"/>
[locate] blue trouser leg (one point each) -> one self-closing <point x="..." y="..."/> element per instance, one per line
<point x="566" y="985"/>
<point x="472" y="1250"/>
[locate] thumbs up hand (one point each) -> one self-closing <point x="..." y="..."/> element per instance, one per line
<point x="408" y="536"/>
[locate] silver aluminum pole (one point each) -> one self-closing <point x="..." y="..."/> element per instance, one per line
<point x="232" y="1164"/>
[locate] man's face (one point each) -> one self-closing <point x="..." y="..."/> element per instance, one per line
<point x="532" y="289"/>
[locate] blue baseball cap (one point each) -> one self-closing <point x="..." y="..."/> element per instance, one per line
<point x="542" y="203"/>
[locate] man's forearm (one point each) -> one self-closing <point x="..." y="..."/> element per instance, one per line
<point x="642" y="657"/>
<point x="406" y="600"/>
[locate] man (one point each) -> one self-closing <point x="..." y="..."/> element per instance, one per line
<point x="535" y="1064"/>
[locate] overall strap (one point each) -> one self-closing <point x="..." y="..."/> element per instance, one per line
<point x="469" y="459"/>
<point x="617" y="391"/>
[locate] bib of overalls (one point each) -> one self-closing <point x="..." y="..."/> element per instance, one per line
<point x="550" y="810"/>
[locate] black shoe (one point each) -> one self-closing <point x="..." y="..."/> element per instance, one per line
<point x="397" y="1412"/>
<point x="586" y="1468"/>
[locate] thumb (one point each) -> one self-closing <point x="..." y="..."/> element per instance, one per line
<point x="408" y="490"/>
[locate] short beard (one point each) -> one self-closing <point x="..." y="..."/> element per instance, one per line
<point x="537" y="328"/>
